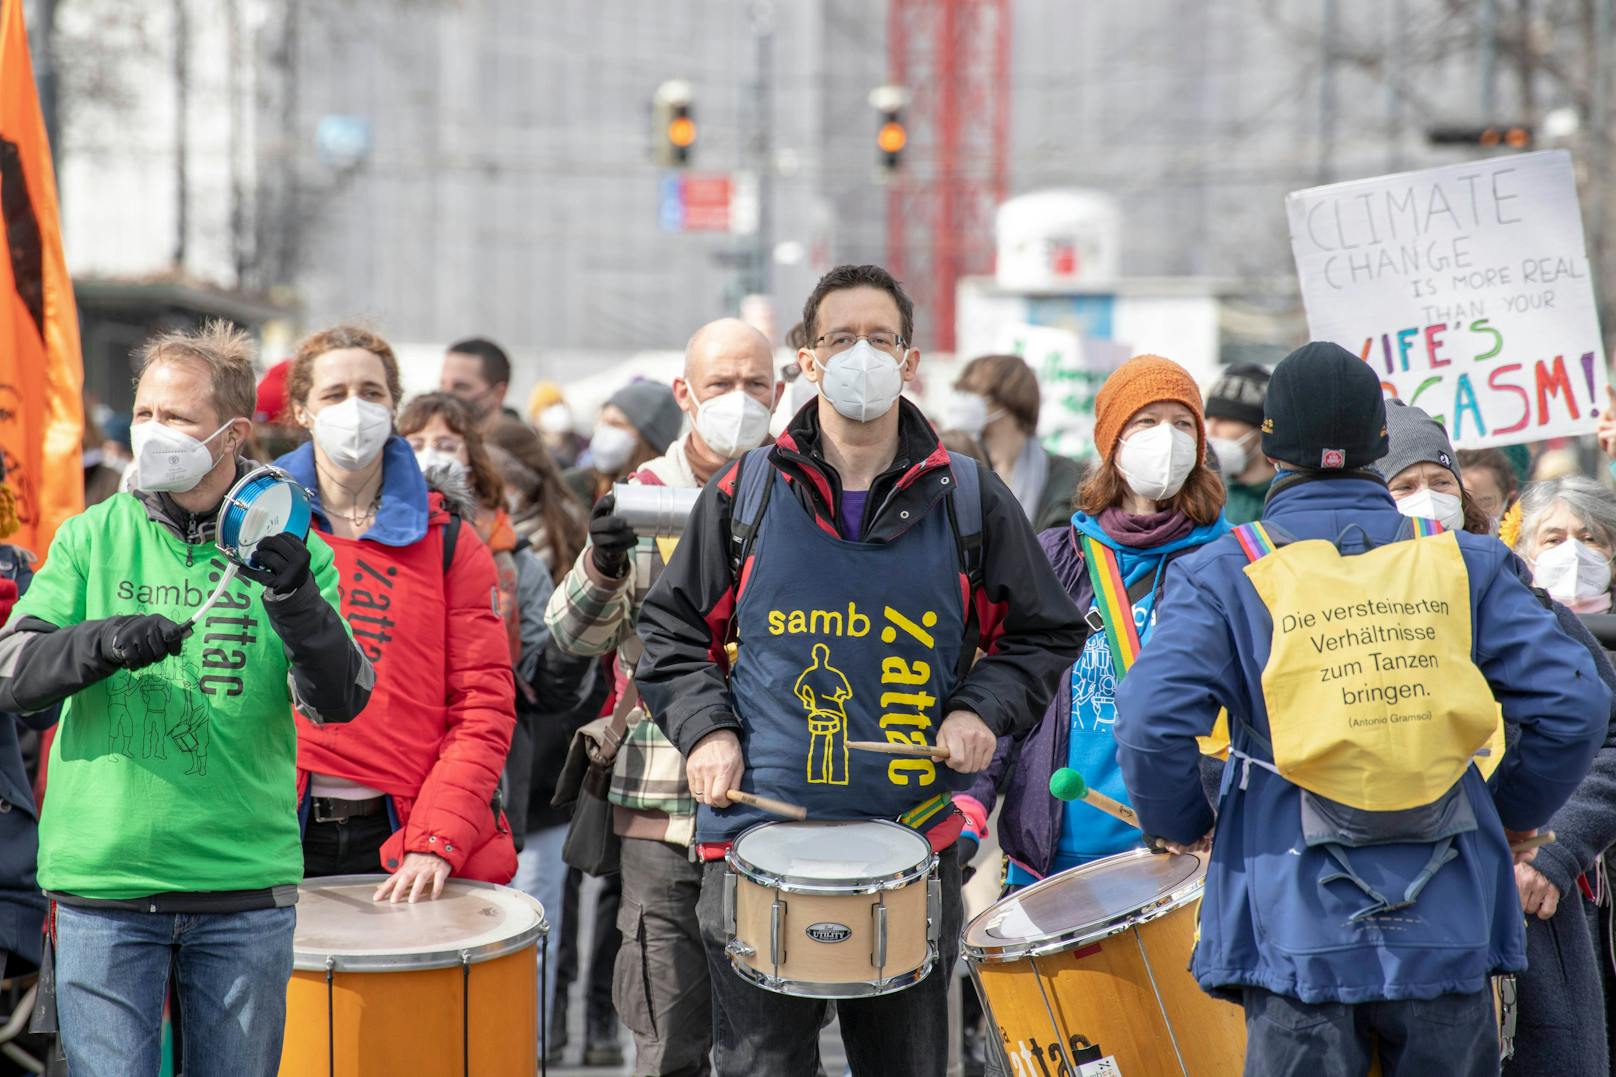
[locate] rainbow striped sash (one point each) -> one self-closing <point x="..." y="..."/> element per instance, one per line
<point x="1111" y="600"/>
<point x="1257" y="543"/>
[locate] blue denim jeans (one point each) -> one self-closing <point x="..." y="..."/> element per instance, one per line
<point x="112" y="969"/>
<point x="1451" y="1035"/>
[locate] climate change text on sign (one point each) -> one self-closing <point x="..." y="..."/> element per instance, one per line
<point x="1467" y="289"/>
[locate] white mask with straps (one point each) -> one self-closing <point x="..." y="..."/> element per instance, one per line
<point x="1156" y="461"/>
<point x="732" y="423"/>
<point x="610" y="448"/>
<point x="969" y="413"/>
<point x="353" y="433"/>
<point x="1429" y="504"/>
<point x="1572" y="572"/>
<point x="862" y="382"/>
<point x="170" y="460"/>
<point x="1234" y="454"/>
<point x="431" y="460"/>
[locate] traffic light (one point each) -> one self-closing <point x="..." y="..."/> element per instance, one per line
<point x="890" y="138"/>
<point x="674" y="120"/>
<point x="1515" y="136"/>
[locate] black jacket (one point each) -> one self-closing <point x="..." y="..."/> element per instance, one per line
<point x="1020" y="616"/>
<point x="42" y="664"/>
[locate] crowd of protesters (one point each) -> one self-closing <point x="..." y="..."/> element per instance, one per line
<point x="422" y="746"/>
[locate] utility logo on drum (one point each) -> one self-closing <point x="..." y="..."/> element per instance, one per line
<point x="828" y="932"/>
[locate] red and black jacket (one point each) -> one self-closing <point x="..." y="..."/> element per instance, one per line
<point x="1025" y="625"/>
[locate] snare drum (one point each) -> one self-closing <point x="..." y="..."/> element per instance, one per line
<point x="267" y="501"/>
<point x="1090" y="965"/>
<point x="446" y="987"/>
<point x="832" y="910"/>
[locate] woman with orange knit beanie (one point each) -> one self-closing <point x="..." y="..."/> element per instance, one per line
<point x="1150" y="499"/>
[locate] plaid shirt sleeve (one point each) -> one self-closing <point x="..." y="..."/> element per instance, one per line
<point x="590" y="618"/>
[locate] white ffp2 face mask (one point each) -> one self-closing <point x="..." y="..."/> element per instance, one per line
<point x="1233" y="454"/>
<point x="969" y="413"/>
<point x="862" y="382"/>
<point x="170" y="460"/>
<point x="353" y="433"/>
<point x="1572" y="572"/>
<point x="1155" y="462"/>
<point x="732" y="423"/>
<point x="610" y="448"/>
<point x="1429" y="504"/>
<point x="430" y="460"/>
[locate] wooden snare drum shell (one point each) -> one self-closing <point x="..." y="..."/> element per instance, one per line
<point x="849" y="962"/>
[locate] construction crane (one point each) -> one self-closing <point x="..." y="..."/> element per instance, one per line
<point x="952" y="60"/>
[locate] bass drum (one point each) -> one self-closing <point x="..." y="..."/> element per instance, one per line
<point x="1088" y="969"/>
<point x="446" y="987"/>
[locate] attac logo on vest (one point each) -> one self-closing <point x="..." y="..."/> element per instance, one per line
<point x="370" y="591"/>
<point x="825" y="691"/>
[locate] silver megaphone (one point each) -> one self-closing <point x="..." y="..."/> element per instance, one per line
<point x="655" y="511"/>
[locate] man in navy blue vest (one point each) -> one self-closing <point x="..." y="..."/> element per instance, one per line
<point x="858" y="597"/>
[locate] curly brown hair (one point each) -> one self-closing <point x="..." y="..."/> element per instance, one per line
<point x="480" y="471"/>
<point x="300" y="379"/>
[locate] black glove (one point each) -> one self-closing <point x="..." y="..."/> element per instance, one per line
<point x="283" y="563"/>
<point x="137" y="641"/>
<point x="610" y="539"/>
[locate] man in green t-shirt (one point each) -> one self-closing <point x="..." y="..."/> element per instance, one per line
<point x="170" y="835"/>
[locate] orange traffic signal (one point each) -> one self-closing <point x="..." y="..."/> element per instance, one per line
<point x="682" y="132"/>
<point x="892" y="137"/>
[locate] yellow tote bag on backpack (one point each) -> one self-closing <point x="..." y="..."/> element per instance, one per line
<point x="1373" y="699"/>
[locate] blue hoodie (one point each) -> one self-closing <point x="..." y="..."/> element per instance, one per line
<point x="1085" y="834"/>
<point x="1269" y="918"/>
<point x="401" y="518"/>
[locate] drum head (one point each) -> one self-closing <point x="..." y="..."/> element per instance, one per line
<point x="267" y="501"/>
<point x="1083" y="903"/>
<point x="338" y="921"/>
<point x="831" y="854"/>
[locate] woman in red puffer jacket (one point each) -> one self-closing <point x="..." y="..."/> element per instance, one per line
<point x="407" y="787"/>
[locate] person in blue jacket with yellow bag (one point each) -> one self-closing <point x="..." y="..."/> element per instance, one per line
<point x="1361" y="883"/>
<point x="1151" y="500"/>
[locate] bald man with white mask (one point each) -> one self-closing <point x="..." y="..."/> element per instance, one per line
<point x="660" y="988"/>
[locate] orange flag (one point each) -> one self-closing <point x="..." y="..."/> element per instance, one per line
<point x="41" y="370"/>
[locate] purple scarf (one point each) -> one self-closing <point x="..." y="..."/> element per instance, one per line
<point x="1143" y="532"/>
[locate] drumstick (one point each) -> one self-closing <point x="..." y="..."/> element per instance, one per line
<point x="185" y="626"/>
<point x="918" y="751"/>
<point x="1068" y="784"/>
<point x="773" y="807"/>
<point x="1545" y="837"/>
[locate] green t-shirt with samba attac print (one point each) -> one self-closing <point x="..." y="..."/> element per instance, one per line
<point x="179" y="777"/>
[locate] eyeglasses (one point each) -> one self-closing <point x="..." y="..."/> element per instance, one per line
<point x="887" y="342"/>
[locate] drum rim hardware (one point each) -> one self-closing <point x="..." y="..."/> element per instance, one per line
<point x="227" y="526"/>
<point x="450" y="955"/>
<point x="1081" y="934"/>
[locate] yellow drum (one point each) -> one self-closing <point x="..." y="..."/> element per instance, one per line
<point x="832" y="910"/>
<point x="446" y="987"/>
<point x="1088" y="968"/>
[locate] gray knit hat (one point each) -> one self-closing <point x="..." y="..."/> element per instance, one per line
<point x="1413" y="437"/>
<point x="651" y="408"/>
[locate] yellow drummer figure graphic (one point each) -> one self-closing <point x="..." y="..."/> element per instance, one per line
<point x="824" y="692"/>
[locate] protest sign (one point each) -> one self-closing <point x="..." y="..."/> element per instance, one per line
<point x="1466" y="288"/>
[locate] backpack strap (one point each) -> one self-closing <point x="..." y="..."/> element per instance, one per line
<point x="752" y="486"/>
<point x="1419" y="527"/>
<point x="965" y="504"/>
<point x="451" y="538"/>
